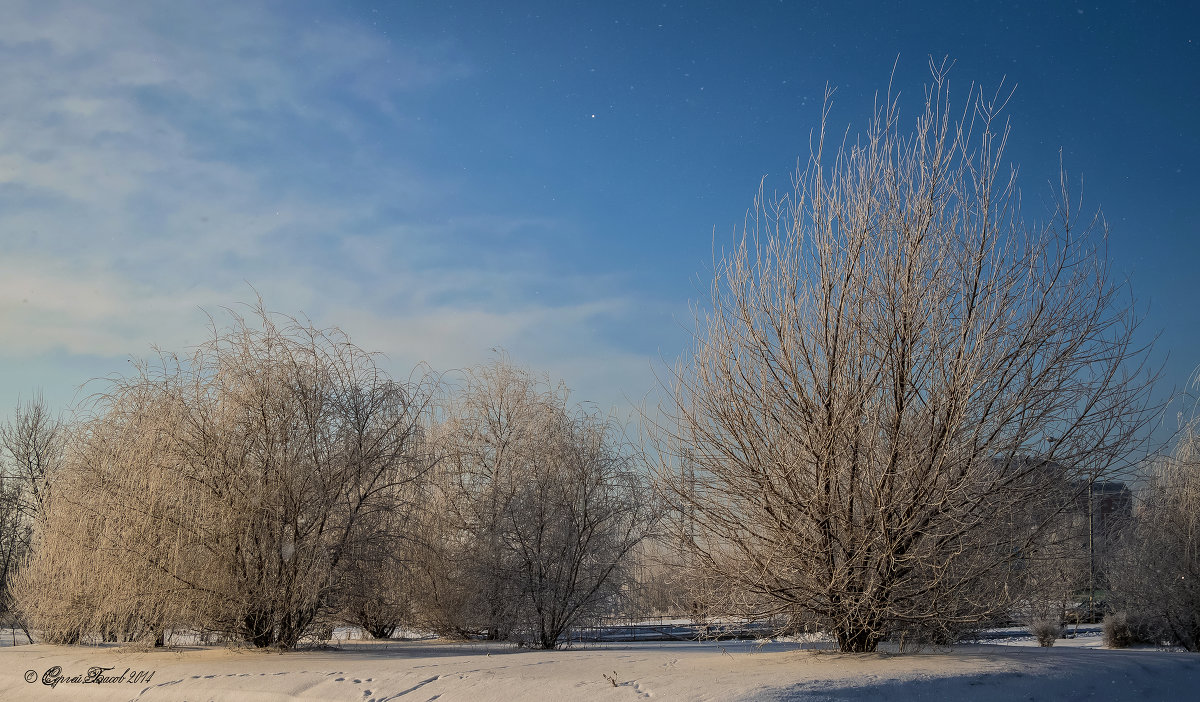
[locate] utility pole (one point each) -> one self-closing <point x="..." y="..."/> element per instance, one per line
<point x="1091" y="552"/>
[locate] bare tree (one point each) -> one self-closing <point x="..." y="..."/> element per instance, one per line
<point x="31" y="444"/>
<point x="1053" y="568"/>
<point x="379" y="585"/>
<point x="31" y="448"/>
<point x="545" y="502"/>
<point x="14" y="538"/>
<point x="1156" y="572"/>
<point x="229" y="490"/>
<point x="890" y="359"/>
<point x="95" y="563"/>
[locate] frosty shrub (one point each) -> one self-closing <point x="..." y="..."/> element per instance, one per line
<point x="1121" y="630"/>
<point x="231" y="490"/>
<point x="542" y="505"/>
<point x="1046" y="631"/>
<point x="892" y="363"/>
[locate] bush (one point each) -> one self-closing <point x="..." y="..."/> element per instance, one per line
<point x="1122" y="630"/>
<point x="1045" y="631"/>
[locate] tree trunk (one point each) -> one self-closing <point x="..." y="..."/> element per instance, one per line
<point x="258" y="627"/>
<point x="857" y="640"/>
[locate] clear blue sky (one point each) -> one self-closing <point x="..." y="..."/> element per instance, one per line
<point x="442" y="178"/>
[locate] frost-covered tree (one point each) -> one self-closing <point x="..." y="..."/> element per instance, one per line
<point x="32" y="442"/>
<point x="1156" y="572"/>
<point x="545" y="503"/>
<point x="31" y="447"/>
<point x="228" y="490"/>
<point x="379" y="586"/>
<point x="890" y="358"/>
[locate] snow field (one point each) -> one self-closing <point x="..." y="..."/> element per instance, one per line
<point x="478" y="672"/>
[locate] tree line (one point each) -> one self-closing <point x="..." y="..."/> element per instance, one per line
<point x="896" y="399"/>
<point x="277" y="481"/>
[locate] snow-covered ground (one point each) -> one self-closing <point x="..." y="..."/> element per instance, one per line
<point x="437" y="670"/>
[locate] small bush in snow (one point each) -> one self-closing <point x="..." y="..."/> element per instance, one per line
<point x="1117" y="633"/>
<point x="1122" y="630"/>
<point x="1045" y="631"/>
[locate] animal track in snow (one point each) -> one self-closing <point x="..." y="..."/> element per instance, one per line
<point x="418" y="686"/>
<point x="641" y="692"/>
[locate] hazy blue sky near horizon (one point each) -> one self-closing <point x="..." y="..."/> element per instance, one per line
<point x="444" y="178"/>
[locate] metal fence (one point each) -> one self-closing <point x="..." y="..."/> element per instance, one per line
<point x="672" y="628"/>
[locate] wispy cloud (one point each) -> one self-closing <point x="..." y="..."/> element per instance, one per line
<point x="154" y="160"/>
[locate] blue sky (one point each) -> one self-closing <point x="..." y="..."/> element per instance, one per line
<point x="441" y="179"/>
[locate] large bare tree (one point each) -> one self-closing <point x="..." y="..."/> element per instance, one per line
<point x="892" y="363"/>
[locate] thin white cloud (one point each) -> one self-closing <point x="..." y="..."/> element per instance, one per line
<point x="128" y="200"/>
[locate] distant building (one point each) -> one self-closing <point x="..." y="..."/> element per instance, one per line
<point x="1110" y="514"/>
